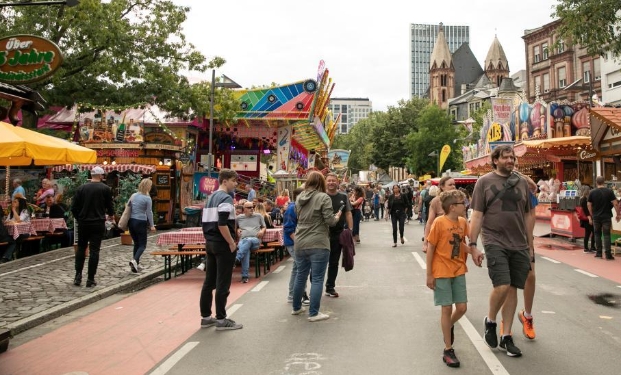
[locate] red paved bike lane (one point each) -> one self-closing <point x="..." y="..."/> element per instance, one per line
<point x="128" y="337"/>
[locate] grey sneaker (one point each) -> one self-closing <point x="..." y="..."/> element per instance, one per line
<point x="133" y="265"/>
<point x="290" y="299"/>
<point x="208" y="322"/>
<point x="506" y="344"/>
<point x="227" y="325"/>
<point x="305" y="300"/>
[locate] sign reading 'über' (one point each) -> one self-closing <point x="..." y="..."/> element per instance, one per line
<point x="27" y="59"/>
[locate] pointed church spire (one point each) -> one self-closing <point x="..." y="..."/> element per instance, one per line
<point x="441" y="56"/>
<point x="496" y="63"/>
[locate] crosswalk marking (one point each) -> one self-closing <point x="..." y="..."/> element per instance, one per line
<point x="420" y="260"/>
<point x="586" y="273"/>
<point x="175" y="358"/>
<point x="259" y="286"/>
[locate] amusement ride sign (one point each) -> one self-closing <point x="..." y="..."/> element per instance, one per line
<point x="27" y="59"/>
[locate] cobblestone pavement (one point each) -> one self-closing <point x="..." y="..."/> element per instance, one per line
<point x="39" y="288"/>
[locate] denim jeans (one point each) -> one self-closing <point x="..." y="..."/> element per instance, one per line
<point x="8" y="253"/>
<point x="294" y="273"/>
<point x="602" y="226"/>
<point x="89" y="234"/>
<point x="218" y="273"/>
<point x="244" y="247"/>
<point x="313" y="261"/>
<point x="138" y="231"/>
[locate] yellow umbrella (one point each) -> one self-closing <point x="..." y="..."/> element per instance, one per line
<point x="22" y="147"/>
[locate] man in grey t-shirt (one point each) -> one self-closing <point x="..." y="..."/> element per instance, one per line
<point x="250" y="230"/>
<point x="501" y="204"/>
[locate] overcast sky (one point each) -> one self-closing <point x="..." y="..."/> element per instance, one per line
<point x="365" y="45"/>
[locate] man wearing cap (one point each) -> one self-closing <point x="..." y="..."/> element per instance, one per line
<point x="91" y="203"/>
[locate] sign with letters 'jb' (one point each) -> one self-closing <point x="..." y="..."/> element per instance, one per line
<point x="27" y="59"/>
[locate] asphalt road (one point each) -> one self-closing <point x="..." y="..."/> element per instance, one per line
<point x="384" y="322"/>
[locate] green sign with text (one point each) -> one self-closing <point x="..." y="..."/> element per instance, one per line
<point x="27" y="59"/>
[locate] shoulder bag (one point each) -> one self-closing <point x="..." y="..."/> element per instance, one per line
<point x="127" y="212"/>
<point x="581" y="214"/>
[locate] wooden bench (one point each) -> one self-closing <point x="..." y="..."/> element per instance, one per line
<point x="5" y="336"/>
<point x="184" y="258"/>
<point x="616" y="246"/>
<point x="280" y="249"/>
<point x="266" y="255"/>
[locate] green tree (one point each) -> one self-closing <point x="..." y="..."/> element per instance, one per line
<point x="594" y="24"/>
<point x="121" y="53"/>
<point x="359" y="141"/>
<point x="435" y="129"/>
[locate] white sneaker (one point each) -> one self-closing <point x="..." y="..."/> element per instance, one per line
<point x="201" y="267"/>
<point x="133" y="265"/>
<point x="298" y="312"/>
<point x="318" y="317"/>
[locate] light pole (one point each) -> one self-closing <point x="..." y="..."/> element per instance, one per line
<point x="227" y="83"/>
<point x="437" y="155"/>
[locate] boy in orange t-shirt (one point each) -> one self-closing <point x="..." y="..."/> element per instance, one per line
<point x="446" y="266"/>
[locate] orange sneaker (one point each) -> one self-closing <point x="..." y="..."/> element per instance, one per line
<point x="528" y="328"/>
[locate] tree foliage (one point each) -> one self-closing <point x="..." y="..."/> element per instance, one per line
<point x="121" y="53"/>
<point x="594" y="24"/>
<point x="435" y="129"/>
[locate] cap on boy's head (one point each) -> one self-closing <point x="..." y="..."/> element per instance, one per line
<point x="97" y="171"/>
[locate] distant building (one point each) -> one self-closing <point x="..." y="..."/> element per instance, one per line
<point x="611" y="80"/>
<point x="562" y="73"/>
<point x="422" y="41"/>
<point x="351" y="110"/>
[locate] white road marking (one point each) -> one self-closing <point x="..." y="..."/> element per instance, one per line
<point x="279" y="269"/>
<point x="259" y="286"/>
<point x="585" y="273"/>
<point x="486" y="353"/>
<point x="231" y="310"/>
<point x="420" y="260"/>
<point x="551" y="260"/>
<point x="173" y="359"/>
<point x="548" y="312"/>
<point x="605" y="317"/>
<point x="618" y="286"/>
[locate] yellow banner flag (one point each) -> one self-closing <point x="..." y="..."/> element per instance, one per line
<point x="446" y="150"/>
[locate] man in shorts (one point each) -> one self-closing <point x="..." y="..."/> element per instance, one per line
<point x="501" y="208"/>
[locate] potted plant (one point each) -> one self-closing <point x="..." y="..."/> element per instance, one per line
<point x="128" y="185"/>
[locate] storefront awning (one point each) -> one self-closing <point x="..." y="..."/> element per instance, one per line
<point x="136" y="168"/>
<point x="601" y="119"/>
<point x="562" y="142"/>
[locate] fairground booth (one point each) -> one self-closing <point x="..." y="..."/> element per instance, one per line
<point x="552" y="142"/>
<point x="287" y="126"/>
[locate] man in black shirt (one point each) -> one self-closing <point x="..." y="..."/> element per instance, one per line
<point x="339" y="201"/>
<point x="219" y="230"/>
<point x="600" y="203"/>
<point x="90" y="204"/>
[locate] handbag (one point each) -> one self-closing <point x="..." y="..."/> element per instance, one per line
<point x="127" y="212"/>
<point x="581" y="214"/>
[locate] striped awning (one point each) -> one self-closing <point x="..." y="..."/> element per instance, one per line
<point x="136" y="168"/>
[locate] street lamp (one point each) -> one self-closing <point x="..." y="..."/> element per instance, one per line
<point x="437" y="155"/>
<point x="229" y="84"/>
<point x="69" y="3"/>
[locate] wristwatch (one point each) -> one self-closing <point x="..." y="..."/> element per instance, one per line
<point x="472" y="244"/>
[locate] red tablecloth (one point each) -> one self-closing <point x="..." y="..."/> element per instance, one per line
<point x="274" y="234"/>
<point x="192" y="229"/>
<point x="48" y="225"/>
<point x="20" y="228"/>
<point x="181" y="237"/>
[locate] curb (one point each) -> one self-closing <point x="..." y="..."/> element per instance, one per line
<point x="67" y="307"/>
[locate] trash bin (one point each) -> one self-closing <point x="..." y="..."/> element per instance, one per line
<point x="193" y="216"/>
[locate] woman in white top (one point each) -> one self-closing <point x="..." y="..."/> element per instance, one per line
<point x="140" y="220"/>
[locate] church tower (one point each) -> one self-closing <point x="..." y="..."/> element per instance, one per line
<point x="441" y="72"/>
<point x="496" y="64"/>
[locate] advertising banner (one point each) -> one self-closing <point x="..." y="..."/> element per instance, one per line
<point x="27" y="59"/>
<point x="338" y="158"/>
<point x="283" y="148"/>
<point x="501" y="110"/>
<point x="444" y="153"/>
